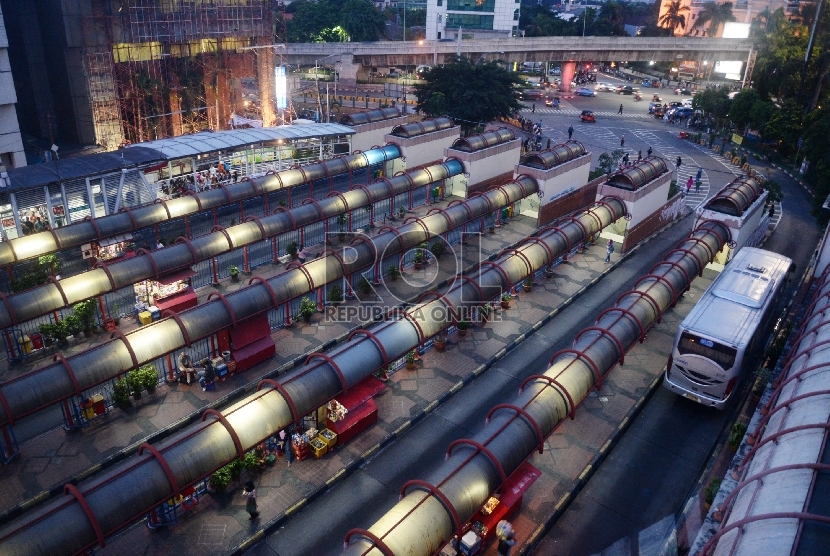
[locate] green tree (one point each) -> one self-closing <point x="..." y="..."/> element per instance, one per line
<point x="311" y="20"/>
<point x="715" y="15"/>
<point x="362" y="20"/>
<point x="473" y="94"/>
<point x="674" y="18"/>
<point x="816" y="132"/>
<point x="741" y="106"/>
<point x="759" y="114"/>
<point x="610" y="21"/>
<point x="784" y="126"/>
<point x="713" y="101"/>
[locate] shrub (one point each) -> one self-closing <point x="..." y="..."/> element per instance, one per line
<point x="437" y="248"/>
<point x="307" y="308"/>
<point x="738" y="432"/>
<point x="363" y="285"/>
<point x="292" y="248"/>
<point x="233" y="270"/>
<point x="394" y="273"/>
<point x="121" y="393"/>
<point x="220" y="480"/>
<point x="711" y="491"/>
<point x="335" y="294"/>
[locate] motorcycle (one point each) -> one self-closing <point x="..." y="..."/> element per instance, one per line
<point x="638" y="97"/>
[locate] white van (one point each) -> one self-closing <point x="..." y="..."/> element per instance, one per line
<point x="687" y="102"/>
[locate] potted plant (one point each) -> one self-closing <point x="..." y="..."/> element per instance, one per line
<point x="283" y="203"/>
<point x="418" y="259"/>
<point x="441" y="342"/>
<point x="341" y="223"/>
<point x="307" y="308"/>
<point x="527" y="284"/>
<point x="437" y="248"/>
<point x="491" y="227"/>
<point x="484" y="312"/>
<point x="47" y="330"/>
<point x="116" y="314"/>
<point x="72" y="325"/>
<point x="762" y="376"/>
<point x="410" y="360"/>
<point x="60" y="332"/>
<point x="381" y="374"/>
<point x="401" y="212"/>
<point x="711" y="491"/>
<point x="394" y="273"/>
<point x="135" y="384"/>
<point x="234" y="273"/>
<point x="505" y="300"/>
<point x="85" y="313"/>
<point x="436" y="193"/>
<point x="149" y="378"/>
<point x="292" y="249"/>
<point x="463" y="326"/>
<point x="220" y="480"/>
<point x="121" y="393"/>
<point x="737" y="435"/>
<point x="335" y="294"/>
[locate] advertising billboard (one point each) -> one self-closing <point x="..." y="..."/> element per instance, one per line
<point x="733" y="30"/>
<point x="281" y="87"/>
<point x="729" y="67"/>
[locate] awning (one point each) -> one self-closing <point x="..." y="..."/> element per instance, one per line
<point x="177" y="276"/>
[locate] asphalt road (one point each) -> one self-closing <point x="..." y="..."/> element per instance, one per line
<point x="630" y="504"/>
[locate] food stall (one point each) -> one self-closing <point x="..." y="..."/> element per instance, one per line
<point x="170" y="291"/>
<point x="109" y="248"/>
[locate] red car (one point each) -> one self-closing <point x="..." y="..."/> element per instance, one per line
<point x="587" y="116"/>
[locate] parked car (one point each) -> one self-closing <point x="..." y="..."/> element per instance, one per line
<point x="587" y="116"/>
<point x="585" y="92"/>
<point x="602" y="86"/>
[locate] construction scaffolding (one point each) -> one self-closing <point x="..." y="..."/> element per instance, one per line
<point x="185" y="66"/>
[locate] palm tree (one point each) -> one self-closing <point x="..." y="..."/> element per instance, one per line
<point x="673" y="18"/>
<point x="715" y="15"/>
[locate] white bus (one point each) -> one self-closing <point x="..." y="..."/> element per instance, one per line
<point x="727" y="328"/>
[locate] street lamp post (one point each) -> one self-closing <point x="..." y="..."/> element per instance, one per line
<point x="317" y="86"/>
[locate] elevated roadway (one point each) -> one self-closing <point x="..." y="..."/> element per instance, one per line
<point x="354" y="55"/>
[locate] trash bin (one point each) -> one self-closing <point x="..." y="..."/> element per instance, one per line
<point x="25" y="344"/>
<point x="155" y="312"/>
<point x="37" y="341"/>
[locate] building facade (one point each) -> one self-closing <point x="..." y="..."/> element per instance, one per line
<point x="11" y="145"/>
<point x="474" y="19"/>
<point x="114" y="72"/>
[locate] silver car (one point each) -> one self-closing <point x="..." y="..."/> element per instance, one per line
<point x="605" y="87"/>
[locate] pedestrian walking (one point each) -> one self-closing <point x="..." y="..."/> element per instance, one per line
<point x="620" y="112"/>
<point x="249" y="492"/>
<point x="689" y="183"/>
<point x="699" y="174"/>
<point x="679" y="163"/>
<point x="772" y="210"/>
<point x="649" y="151"/>
<point x="609" y="248"/>
<point x="506" y="536"/>
<point x="622" y="140"/>
<point x="289" y="454"/>
<point x="639" y="156"/>
<point x="533" y="108"/>
<point x="548" y="144"/>
<point x="570" y="132"/>
<point x="697" y="186"/>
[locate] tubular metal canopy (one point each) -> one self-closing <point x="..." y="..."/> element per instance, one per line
<point x="736" y="197"/>
<point x="636" y="176"/>
<point x="128" y="490"/>
<point x="111" y="359"/>
<point x="420" y="128"/>
<point x="423" y="520"/>
<point x="554" y="156"/>
<point x="148" y="215"/>
<point x="478" y="142"/>
<point x="370" y="116"/>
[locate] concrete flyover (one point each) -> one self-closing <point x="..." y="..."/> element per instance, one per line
<point x="356" y="55"/>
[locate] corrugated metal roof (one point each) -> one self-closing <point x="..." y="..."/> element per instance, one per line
<point x="161" y="150"/>
<point x="207" y="141"/>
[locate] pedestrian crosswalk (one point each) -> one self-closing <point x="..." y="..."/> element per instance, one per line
<point x="571" y="112"/>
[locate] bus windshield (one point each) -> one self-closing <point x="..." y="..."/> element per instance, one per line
<point x="720" y="354"/>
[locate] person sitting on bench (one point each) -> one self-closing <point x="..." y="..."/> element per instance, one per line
<point x="187" y="371"/>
